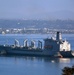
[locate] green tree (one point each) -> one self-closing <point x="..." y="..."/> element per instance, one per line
<point x="68" y="70"/>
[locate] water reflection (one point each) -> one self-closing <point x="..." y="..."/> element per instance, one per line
<point x="64" y="60"/>
<point x="42" y="59"/>
<point x="48" y="59"/>
<point x="33" y="65"/>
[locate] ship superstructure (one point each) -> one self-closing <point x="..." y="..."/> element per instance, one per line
<point x="57" y="44"/>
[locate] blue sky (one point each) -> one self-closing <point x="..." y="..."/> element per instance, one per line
<point x="37" y="9"/>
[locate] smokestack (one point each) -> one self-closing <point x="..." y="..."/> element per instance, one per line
<point x="58" y="36"/>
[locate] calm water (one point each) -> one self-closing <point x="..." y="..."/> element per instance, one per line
<point x="21" y="65"/>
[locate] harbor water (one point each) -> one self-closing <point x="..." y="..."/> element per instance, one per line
<point x="27" y="65"/>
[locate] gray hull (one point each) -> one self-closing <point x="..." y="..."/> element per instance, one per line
<point x="8" y="50"/>
<point x="24" y="51"/>
<point x="67" y="54"/>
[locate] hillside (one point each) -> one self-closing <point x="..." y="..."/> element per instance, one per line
<point x="54" y="24"/>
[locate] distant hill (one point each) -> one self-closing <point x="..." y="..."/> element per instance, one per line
<point x="54" y="24"/>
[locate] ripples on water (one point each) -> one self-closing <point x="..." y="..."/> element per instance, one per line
<point x="21" y="65"/>
<point x="33" y="65"/>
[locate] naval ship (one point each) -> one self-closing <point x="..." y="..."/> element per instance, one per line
<point x="53" y="47"/>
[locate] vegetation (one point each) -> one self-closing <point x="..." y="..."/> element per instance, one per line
<point x="68" y="71"/>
